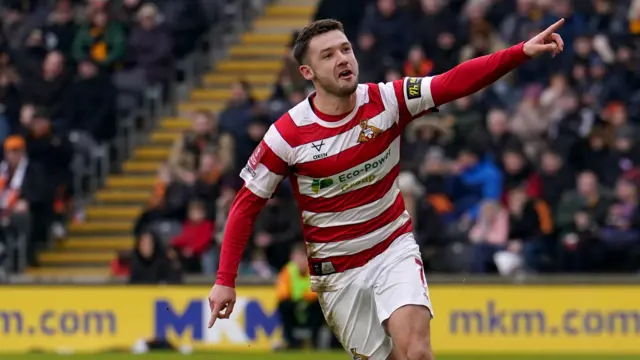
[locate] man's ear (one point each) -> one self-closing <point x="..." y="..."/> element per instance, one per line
<point x="306" y="72"/>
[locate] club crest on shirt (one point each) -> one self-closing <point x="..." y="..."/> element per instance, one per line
<point x="356" y="356"/>
<point x="368" y="132"/>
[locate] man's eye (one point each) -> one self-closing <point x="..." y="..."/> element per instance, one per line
<point x="326" y="56"/>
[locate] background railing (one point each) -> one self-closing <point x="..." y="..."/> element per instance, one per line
<point x="231" y="18"/>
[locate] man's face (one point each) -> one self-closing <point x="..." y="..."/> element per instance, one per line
<point x="13" y="156"/>
<point x="587" y="184"/>
<point x="201" y="125"/>
<point x="331" y="65"/>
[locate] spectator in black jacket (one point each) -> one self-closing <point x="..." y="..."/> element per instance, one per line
<point x="151" y="264"/>
<point x="93" y="103"/>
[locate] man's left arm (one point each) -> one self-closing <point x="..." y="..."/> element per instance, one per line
<point x="420" y="96"/>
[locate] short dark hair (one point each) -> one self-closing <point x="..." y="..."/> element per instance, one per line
<point x="319" y="27"/>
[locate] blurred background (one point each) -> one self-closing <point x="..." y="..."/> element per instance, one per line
<point x="125" y="123"/>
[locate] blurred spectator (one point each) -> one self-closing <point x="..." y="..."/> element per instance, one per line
<point x="126" y="12"/>
<point x="578" y="217"/>
<point x="474" y="179"/>
<point x="298" y="306"/>
<point x="556" y="177"/>
<point x="54" y="153"/>
<point x="59" y="30"/>
<point x="436" y="30"/>
<point x="10" y="97"/>
<point x="23" y="198"/>
<point x="92" y="113"/>
<point x="150" y="44"/>
<point x="187" y="22"/>
<point x="620" y="234"/>
<point x="101" y="40"/>
<point x="17" y="25"/>
<point x="417" y="64"/>
<point x="49" y="87"/>
<point x="151" y="264"/>
<point x="195" y="239"/>
<point x="274" y="231"/>
<point x="383" y="34"/>
<point x="488" y="236"/>
<point x="206" y="135"/>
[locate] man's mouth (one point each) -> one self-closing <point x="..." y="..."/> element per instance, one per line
<point x="345" y="74"/>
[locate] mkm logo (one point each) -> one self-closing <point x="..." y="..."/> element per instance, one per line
<point x="192" y="322"/>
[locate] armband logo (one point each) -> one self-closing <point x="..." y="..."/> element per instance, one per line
<point x="413" y="88"/>
<point x="256" y="156"/>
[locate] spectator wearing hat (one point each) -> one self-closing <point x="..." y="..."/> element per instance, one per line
<point x="23" y="195"/>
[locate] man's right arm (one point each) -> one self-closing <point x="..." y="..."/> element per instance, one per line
<point x="266" y="168"/>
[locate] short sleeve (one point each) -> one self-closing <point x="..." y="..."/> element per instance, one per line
<point x="267" y="165"/>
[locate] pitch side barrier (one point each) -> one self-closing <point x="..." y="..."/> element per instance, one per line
<point x="537" y="315"/>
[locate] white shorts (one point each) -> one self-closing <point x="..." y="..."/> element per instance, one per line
<point x="356" y="311"/>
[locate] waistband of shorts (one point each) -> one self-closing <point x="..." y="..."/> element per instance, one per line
<point x="338" y="264"/>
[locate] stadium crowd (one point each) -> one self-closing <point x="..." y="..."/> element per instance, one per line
<point x="69" y="70"/>
<point x="537" y="173"/>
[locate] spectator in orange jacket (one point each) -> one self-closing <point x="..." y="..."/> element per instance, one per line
<point x="298" y="306"/>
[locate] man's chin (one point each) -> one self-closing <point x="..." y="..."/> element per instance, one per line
<point x="348" y="89"/>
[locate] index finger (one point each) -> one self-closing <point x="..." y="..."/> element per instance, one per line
<point x="215" y="310"/>
<point x="551" y="29"/>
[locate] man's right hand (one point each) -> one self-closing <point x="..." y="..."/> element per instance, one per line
<point x="221" y="301"/>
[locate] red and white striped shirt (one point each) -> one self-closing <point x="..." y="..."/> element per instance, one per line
<point x="344" y="169"/>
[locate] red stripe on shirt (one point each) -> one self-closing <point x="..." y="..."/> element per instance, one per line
<point x="351" y="199"/>
<point x="314" y="234"/>
<point x="347" y="262"/>
<point x="296" y="135"/>
<point x="349" y="158"/>
<point x="272" y="161"/>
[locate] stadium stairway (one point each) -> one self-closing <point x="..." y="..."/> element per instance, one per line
<point x="91" y="245"/>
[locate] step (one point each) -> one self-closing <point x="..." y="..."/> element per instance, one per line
<point x="165" y="137"/>
<point x="279" y="21"/>
<point x="285" y="10"/>
<point x="218" y="79"/>
<point x="266" y="39"/>
<point x="123" y="196"/>
<point x="116" y="243"/>
<point x="152" y="153"/>
<point x="101" y="227"/>
<point x="176" y="124"/>
<point x="191" y="106"/>
<point x="258" y="51"/>
<point x="144" y="182"/>
<point x="261" y="93"/>
<point x="67" y="257"/>
<point x="280" y="25"/>
<point x="248" y="66"/>
<point x="134" y="166"/>
<point x="47" y="271"/>
<point x="113" y="212"/>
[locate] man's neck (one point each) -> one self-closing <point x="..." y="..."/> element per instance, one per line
<point x="333" y="105"/>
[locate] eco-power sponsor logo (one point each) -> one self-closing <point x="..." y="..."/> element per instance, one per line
<point x="353" y="177"/>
